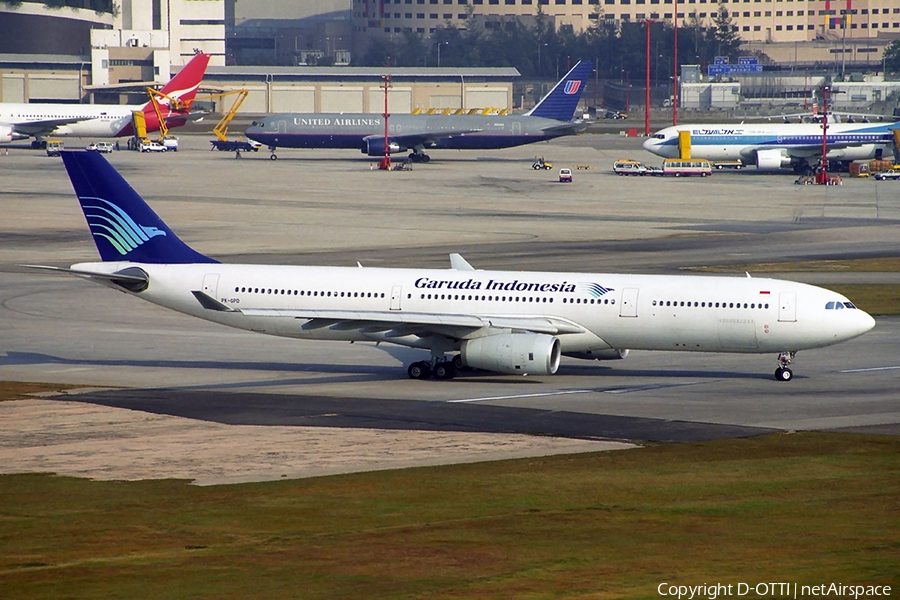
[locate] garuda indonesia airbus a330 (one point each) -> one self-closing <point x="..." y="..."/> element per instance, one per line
<point x="777" y="146"/>
<point x="552" y="117"/>
<point x="514" y="322"/>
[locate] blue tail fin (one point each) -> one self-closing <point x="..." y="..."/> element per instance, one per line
<point x="123" y="226"/>
<point x="561" y="102"/>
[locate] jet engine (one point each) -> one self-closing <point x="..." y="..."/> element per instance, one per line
<point x="375" y="146"/>
<point x="513" y="353"/>
<point x="768" y="160"/>
<point x="7" y="135"/>
<point x="611" y="354"/>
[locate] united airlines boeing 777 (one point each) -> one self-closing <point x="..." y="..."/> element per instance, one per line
<point x="777" y="146"/>
<point x="552" y="117"/>
<point x="503" y="321"/>
<point x="21" y="121"/>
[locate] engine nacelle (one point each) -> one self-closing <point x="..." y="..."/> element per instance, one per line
<point x="769" y="160"/>
<point x="375" y="147"/>
<point x="7" y="135"/>
<point x="513" y="353"/>
<point x="611" y="354"/>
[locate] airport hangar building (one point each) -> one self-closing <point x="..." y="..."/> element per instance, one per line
<point x="64" y="78"/>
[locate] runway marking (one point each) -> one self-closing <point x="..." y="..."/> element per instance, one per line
<point x="620" y="390"/>
<point x="516" y="396"/>
<point x="870" y="369"/>
<point x="651" y="386"/>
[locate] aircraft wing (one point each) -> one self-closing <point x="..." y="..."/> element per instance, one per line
<point x="45" y="126"/>
<point x="800" y="150"/>
<point x="425" y="138"/>
<point x="575" y="126"/>
<point x="401" y="323"/>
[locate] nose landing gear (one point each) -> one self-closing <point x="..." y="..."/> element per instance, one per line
<point x="782" y="373"/>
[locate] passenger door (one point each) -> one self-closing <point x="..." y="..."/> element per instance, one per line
<point x="395" y="297"/>
<point x="628" y="307"/>
<point x="787" y="307"/>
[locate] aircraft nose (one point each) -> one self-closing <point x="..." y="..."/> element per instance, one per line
<point x="864" y="322"/>
<point x="855" y="323"/>
<point x="649" y="143"/>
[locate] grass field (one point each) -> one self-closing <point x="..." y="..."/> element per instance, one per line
<point x="807" y="508"/>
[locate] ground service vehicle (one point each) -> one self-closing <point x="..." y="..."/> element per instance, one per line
<point x="895" y="175"/>
<point x="152" y="147"/>
<point x="539" y="163"/>
<point x="104" y="147"/>
<point x="53" y="147"/>
<point x="170" y="142"/>
<point x="683" y="167"/>
<point x="629" y="167"/>
<point x="565" y="175"/>
<point x="728" y="164"/>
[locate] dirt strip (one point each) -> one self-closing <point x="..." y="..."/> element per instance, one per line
<point x="97" y="442"/>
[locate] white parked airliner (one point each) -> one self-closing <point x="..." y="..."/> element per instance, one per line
<point x="777" y="146"/>
<point x="21" y="121"/>
<point x="502" y="321"/>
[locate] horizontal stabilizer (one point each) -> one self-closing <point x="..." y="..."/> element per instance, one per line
<point x="210" y="303"/>
<point x="130" y="278"/>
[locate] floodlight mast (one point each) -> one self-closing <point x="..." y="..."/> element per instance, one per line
<point x="386" y="161"/>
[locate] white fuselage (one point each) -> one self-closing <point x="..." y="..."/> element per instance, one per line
<point x="731" y="142"/>
<point x="99" y="120"/>
<point x="651" y="312"/>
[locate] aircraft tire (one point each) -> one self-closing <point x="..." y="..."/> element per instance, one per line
<point x="273" y="157"/>
<point x="444" y="370"/>
<point x="783" y="374"/>
<point x="419" y="370"/>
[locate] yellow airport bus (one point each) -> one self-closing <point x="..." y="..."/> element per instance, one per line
<point x="685" y="167"/>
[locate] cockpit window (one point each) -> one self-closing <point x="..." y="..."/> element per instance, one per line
<point x="838" y="305"/>
<point x="660" y="136"/>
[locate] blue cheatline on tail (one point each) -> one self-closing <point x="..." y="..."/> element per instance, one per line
<point x="123" y="226"/>
<point x="562" y="100"/>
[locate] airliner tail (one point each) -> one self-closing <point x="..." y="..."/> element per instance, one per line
<point x="561" y="102"/>
<point x="183" y="87"/>
<point x="123" y="226"/>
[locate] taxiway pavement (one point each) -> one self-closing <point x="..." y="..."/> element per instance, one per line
<point x="329" y="207"/>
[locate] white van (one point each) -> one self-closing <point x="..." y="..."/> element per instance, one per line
<point x="629" y="167"/>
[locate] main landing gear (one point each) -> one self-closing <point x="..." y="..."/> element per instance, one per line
<point x="418" y="157"/>
<point x="440" y="369"/>
<point x="782" y="373"/>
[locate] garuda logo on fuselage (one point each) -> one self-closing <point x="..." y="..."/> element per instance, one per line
<point x="113" y="224"/>
<point x="593" y="289"/>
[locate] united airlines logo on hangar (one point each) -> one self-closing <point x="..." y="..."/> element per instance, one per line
<point x="594" y="290"/>
<point x="572" y="87"/>
<point x="113" y="224"/>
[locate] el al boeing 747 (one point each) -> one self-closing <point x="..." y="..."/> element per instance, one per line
<point x="514" y="322"/>
<point x="777" y="146"/>
<point x="552" y="117"/>
<point x="21" y="121"/>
